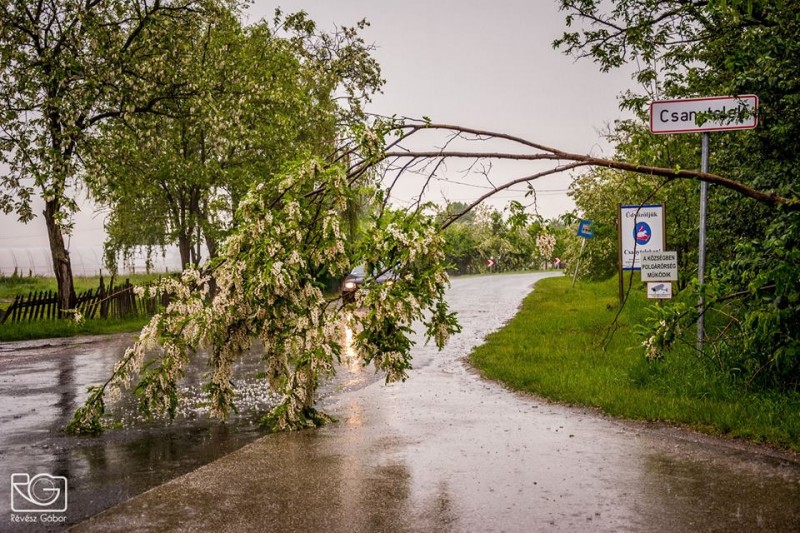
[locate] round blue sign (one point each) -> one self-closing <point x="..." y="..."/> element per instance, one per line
<point x="642" y="233"/>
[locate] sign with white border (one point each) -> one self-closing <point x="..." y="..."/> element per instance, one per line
<point x="659" y="266"/>
<point x="585" y="229"/>
<point x="641" y="230"/>
<point x="727" y="113"/>
<point x="661" y="290"/>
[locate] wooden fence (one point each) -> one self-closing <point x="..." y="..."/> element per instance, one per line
<point x="104" y="302"/>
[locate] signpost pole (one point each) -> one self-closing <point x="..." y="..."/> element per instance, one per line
<point x="578" y="265"/>
<point x="723" y="113"/>
<point x="701" y="249"/>
<point x="621" y="258"/>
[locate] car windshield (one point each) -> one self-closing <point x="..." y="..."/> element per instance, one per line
<point x="360" y="270"/>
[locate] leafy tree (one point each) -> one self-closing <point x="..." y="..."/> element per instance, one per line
<point x="461" y="247"/>
<point x="288" y="234"/>
<point x="258" y="100"/>
<point x="67" y="67"/>
<point x="486" y="233"/>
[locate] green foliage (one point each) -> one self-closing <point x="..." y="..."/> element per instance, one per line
<point x="256" y="97"/>
<point x="68" y="67"/>
<point x="307" y="418"/>
<point x="88" y="419"/>
<point x="265" y="286"/>
<point x="598" y="192"/>
<point x="718" y="48"/>
<point x="517" y="240"/>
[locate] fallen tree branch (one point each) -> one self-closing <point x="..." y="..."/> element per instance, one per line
<point x="545" y="153"/>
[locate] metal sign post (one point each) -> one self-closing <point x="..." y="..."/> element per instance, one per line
<point x="584" y="230"/>
<point x="701" y="246"/>
<point x="721" y="113"/>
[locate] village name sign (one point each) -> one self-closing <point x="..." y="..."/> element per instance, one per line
<point x="717" y="113"/>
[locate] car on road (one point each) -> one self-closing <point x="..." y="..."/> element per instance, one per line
<point x="353" y="281"/>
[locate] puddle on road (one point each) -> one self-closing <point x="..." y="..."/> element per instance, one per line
<point x="42" y="384"/>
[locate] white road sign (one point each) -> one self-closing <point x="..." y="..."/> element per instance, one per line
<point x="681" y="116"/>
<point x="641" y="230"/>
<point x="659" y="291"/>
<point x="659" y="266"/>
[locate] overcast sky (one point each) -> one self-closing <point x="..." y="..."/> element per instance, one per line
<point x="476" y="63"/>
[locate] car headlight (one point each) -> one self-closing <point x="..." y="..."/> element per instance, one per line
<point x="349" y="285"/>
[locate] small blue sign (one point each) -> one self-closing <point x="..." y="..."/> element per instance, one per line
<point x="585" y="229"/>
<point x="642" y="233"/>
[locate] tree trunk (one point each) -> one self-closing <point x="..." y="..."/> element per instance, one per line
<point x="62" y="265"/>
<point x="185" y="247"/>
<point x="213" y="247"/>
<point x="212" y="244"/>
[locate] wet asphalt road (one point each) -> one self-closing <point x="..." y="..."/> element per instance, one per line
<point x="445" y="451"/>
<point x="41" y="383"/>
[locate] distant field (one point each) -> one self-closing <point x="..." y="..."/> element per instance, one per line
<point x="11" y="286"/>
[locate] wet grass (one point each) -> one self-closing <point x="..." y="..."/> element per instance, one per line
<point x="11" y="286"/>
<point x="558" y="346"/>
<point x="45" y="329"/>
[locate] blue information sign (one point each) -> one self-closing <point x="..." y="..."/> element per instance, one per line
<point x="585" y="229"/>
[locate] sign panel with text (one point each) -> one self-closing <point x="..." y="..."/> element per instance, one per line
<point x="715" y="113"/>
<point x="659" y="266"/>
<point x="641" y="230"/>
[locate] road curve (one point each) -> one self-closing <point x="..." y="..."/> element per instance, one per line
<point x="450" y="451"/>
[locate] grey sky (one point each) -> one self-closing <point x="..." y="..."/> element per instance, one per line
<point x="488" y="65"/>
<point x="476" y="63"/>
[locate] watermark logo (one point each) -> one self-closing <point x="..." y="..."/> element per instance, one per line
<point x="41" y="493"/>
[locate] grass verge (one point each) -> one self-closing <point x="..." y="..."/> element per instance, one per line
<point x="554" y="347"/>
<point x="44" y="329"/>
<point x="10" y="286"/>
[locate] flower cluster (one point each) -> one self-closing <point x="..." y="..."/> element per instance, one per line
<point x="266" y="286"/>
<point x="546" y="244"/>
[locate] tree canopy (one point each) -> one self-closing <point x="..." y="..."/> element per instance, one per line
<point x="66" y="68"/>
<point x="262" y="95"/>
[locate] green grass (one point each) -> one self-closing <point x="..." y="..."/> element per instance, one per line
<point x="554" y="347"/>
<point x="45" y="329"/>
<point x="11" y="286"/>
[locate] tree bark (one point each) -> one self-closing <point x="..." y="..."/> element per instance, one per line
<point x="185" y="247"/>
<point x="62" y="265"/>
